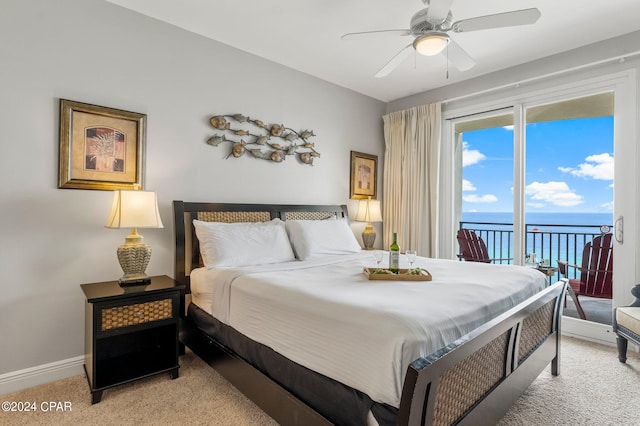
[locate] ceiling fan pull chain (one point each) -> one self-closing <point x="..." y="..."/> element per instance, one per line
<point x="447" y="62"/>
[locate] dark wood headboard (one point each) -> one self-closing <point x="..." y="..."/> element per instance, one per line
<point x="187" y="254"/>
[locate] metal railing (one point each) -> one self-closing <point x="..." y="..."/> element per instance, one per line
<point x="547" y="241"/>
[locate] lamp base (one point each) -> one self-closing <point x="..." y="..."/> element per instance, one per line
<point x="125" y="281"/>
<point x="134" y="256"/>
<point x="368" y="237"/>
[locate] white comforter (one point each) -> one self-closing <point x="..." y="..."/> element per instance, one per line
<point x="327" y="316"/>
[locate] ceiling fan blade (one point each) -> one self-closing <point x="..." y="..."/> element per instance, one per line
<point x="499" y="20"/>
<point x="458" y="57"/>
<point x="395" y="61"/>
<point x="438" y="10"/>
<point x="355" y="35"/>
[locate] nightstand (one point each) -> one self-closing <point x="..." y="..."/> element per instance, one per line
<point x="130" y="332"/>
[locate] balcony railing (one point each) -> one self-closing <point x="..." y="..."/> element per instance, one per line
<point x="547" y="241"/>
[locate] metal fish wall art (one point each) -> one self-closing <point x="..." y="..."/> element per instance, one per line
<point x="273" y="142"/>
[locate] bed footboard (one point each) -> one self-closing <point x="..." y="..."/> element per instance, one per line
<point x="476" y="379"/>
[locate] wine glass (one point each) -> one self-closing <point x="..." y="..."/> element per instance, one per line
<point x="377" y="255"/>
<point x="411" y="256"/>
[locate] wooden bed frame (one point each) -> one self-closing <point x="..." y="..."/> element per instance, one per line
<point x="474" y="380"/>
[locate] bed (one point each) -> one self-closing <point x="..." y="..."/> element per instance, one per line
<point x="458" y="369"/>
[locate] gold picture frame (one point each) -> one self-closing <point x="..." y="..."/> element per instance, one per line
<point x="100" y="148"/>
<point x="364" y="176"/>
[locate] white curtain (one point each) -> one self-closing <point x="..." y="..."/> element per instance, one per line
<point x="411" y="169"/>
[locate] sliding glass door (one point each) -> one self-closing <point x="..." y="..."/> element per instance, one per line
<point x="569" y="192"/>
<point x="536" y="179"/>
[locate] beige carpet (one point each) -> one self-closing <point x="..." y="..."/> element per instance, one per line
<point x="593" y="389"/>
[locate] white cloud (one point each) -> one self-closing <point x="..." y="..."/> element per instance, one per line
<point x="471" y="156"/>
<point x="556" y="193"/>
<point x="607" y="206"/>
<point x="488" y="198"/>
<point x="598" y="166"/>
<point x="509" y="127"/>
<point x="467" y="186"/>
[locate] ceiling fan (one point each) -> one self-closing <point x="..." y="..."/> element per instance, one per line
<point x="430" y="27"/>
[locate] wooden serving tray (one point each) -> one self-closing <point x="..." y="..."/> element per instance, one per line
<point x="400" y="276"/>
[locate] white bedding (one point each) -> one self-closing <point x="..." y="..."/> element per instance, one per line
<point x="327" y="316"/>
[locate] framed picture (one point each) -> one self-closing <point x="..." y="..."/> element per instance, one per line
<point x="364" y="176"/>
<point x="100" y="147"/>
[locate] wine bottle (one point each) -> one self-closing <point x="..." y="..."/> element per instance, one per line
<point x="394" y="254"/>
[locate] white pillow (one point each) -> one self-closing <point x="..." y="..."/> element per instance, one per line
<point x="316" y="238"/>
<point x="243" y="243"/>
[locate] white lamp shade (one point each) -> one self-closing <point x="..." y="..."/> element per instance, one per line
<point x="431" y="44"/>
<point x="369" y="211"/>
<point x="134" y="209"/>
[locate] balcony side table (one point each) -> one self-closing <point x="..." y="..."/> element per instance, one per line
<point x="548" y="271"/>
<point x="130" y="332"/>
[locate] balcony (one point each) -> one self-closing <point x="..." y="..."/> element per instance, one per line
<point x="547" y="241"/>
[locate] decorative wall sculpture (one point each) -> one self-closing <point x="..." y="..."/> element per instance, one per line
<point x="268" y="142"/>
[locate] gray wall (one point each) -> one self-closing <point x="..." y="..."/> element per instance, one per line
<point x="52" y="240"/>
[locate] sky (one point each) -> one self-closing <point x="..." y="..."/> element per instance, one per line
<point x="569" y="167"/>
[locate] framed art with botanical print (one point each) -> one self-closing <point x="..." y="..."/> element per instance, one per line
<point x="100" y="148"/>
<point x="364" y="175"/>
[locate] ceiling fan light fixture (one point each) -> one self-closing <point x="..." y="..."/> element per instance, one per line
<point x="431" y="44"/>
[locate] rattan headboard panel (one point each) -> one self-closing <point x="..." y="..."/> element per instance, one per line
<point x="234" y="217"/>
<point x="309" y="215"/>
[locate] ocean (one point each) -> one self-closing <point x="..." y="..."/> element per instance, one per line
<point x="543" y="219"/>
<point x="550" y="236"/>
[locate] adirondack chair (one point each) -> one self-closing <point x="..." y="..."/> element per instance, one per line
<point x="596" y="272"/>
<point x="473" y="248"/>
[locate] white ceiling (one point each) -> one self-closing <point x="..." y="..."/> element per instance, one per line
<point x="305" y="35"/>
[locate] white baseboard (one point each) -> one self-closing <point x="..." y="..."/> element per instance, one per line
<point x="34" y="376"/>
<point x="593" y="332"/>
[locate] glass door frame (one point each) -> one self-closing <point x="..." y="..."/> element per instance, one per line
<point x="626" y="269"/>
<point x="457" y="160"/>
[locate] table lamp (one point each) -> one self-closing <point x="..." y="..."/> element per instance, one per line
<point x="369" y="211"/>
<point x="134" y="209"/>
